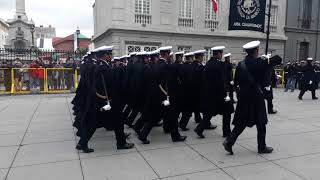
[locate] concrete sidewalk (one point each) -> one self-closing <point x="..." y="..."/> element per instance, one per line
<point x="37" y="142"/>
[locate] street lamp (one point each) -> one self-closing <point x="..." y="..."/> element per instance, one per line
<point x="32" y="29"/>
<point x="78" y="33"/>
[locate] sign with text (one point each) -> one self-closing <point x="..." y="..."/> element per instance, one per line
<point x="247" y="15"/>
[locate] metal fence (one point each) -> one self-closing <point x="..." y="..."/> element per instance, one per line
<point x="38" y="71"/>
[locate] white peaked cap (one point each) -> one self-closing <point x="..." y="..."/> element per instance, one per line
<point x="116" y="58"/>
<point x="199" y="52"/>
<point x="218" y="48"/>
<point x="171" y="53"/>
<point x="189" y="54"/>
<point x="104" y="48"/>
<point x="124" y="56"/>
<point x="309" y="59"/>
<point x="181" y="52"/>
<point x="143" y="53"/>
<point x="166" y="48"/>
<point x="227" y="55"/>
<point x="251" y="45"/>
<point x="155" y="52"/>
<point x="132" y="54"/>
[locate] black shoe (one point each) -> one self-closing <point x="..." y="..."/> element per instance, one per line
<point x="211" y="127"/>
<point x="184" y="128"/>
<point x="228" y="147"/>
<point x="127" y="135"/>
<point x="266" y="150"/>
<point x="273" y="112"/>
<point x="84" y="149"/>
<point x="315" y="98"/>
<point x="144" y="140"/>
<point x="199" y="133"/>
<point x="125" y="146"/>
<point x="300" y="98"/>
<point x="179" y="139"/>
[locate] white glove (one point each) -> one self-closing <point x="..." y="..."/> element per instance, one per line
<point x="107" y="107"/>
<point x="310" y="82"/>
<point x="227" y="99"/>
<point x="231" y="82"/>
<point x="268" y="88"/>
<point x="166" y="102"/>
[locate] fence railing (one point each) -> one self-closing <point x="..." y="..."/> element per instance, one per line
<point x="38" y="80"/>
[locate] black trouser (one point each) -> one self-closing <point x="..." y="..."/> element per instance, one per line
<point x="85" y="135"/>
<point x="152" y="116"/>
<point x="165" y="119"/>
<point x="226" y="120"/>
<point x="118" y="125"/>
<point x="313" y="93"/>
<point x="270" y="104"/>
<point x="186" y="117"/>
<point x="238" y="129"/>
<point x="205" y="121"/>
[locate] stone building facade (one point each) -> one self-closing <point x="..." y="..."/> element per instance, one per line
<point x="185" y="24"/>
<point x="303" y="30"/>
<point x="4" y="28"/>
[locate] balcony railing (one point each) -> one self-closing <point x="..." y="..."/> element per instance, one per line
<point x="211" y="24"/>
<point x="142" y="19"/>
<point x="185" y="22"/>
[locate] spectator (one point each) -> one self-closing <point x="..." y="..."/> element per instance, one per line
<point x="291" y="75"/>
<point x="26" y="77"/>
<point x="41" y="74"/>
<point x="34" y="79"/>
<point x="69" y="73"/>
<point x="18" y="73"/>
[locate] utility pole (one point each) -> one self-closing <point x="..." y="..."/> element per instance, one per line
<point x="268" y="28"/>
<point x="317" y="36"/>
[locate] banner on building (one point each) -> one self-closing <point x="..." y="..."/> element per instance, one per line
<point x="247" y="15"/>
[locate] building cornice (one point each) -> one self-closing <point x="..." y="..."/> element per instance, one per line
<point x="233" y="34"/>
<point x="300" y="30"/>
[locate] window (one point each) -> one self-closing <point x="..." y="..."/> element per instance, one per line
<point x="273" y="18"/>
<point x="186" y="49"/>
<point x="185" y="13"/>
<point x="143" y="11"/>
<point x="138" y="48"/>
<point x="304" y="51"/>
<point x="211" y="17"/>
<point x="306" y="13"/>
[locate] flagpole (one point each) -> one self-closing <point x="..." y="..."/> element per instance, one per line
<point x="268" y="28"/>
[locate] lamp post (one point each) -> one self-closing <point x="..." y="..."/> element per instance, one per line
<point x="268" y="28"/>
<point x="78" y="33"/>
<point x="32" y="29"/>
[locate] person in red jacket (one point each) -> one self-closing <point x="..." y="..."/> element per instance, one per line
<point x="34" y="79"/>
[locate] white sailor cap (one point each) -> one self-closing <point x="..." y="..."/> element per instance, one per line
<point x="218" y="48"/>
<point x="166" y="48"/>
<point x="155" y="52"/>
<point x="251" y="45"/>
<point x="143" y="53"/>
<point x="116" y="58"/>
<point x="127" y="56"/>
<point x="179" y="53"/>
<point x="227" y="55"/>
<point x="199" y="52"/>
<point x="188" y="54"/>
<point x="133" y="54"/>
<point x="171" y="53"/>
<point x="123" y="57"/>
<point x="104" y="48"/>
<point x="266" y="56"/>
<point x="89" y="52"/>
<point x="310" y="59"/>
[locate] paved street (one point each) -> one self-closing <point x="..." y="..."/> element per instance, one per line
<point x="37" y="142"/>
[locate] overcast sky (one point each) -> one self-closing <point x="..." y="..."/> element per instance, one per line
<point x="64" y="15"/>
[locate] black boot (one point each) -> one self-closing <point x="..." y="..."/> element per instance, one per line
<point x="144" y="140"/>
<point x="84" y="149"/>
<point x="125" y="146"/>
<point x="179" y="138"/>
<point x="199" y="133"/>
<point x="228" y="147"/>
<point x="265" y="150"/>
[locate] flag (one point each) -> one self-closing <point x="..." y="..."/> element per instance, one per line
<point x="215" y="5"/>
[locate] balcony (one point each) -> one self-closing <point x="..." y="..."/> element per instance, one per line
<point x="185" y="22"/>
<point x="211" y="24"/>
<point x="142" y="19"/>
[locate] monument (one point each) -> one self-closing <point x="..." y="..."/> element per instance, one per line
<point x="21" y="29"/>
